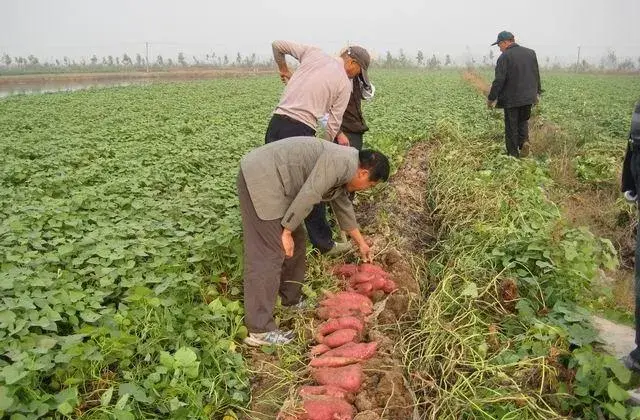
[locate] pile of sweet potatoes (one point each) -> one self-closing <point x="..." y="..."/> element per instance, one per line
<point x="365" y="279"/>
<point x="336" y="358"/>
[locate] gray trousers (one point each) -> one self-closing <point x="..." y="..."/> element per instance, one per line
<point x="267" y="272"/>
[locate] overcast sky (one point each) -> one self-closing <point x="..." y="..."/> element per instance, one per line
<point x="79" y="28"/>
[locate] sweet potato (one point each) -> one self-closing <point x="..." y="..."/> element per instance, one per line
<point x="346" y="297"/>
<point x="339" y="323"/>
<point x="319" y="349"/>
<point x="332" y="361"/>
<point x="363" y="288"/>
<point x="378" y="282"/>
<point x="327" y="408"/>
<point x="328" y="312"/>
<point x="372" y="268"/>
<point x="345" y="270"/>
<point x="389" y="286"/>
<point x="326" y="390"/>
<point x="344" y="304"/>
<point x="362" y="277"/>
<point x="340" y="337"/>
<point x="359" y="351"/>
<point x="348" y="378"/>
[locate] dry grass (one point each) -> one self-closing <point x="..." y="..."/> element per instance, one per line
<point x="477" y="81"/>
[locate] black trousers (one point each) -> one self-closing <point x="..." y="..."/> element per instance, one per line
<point x="516" y="128"/>
<point x="280" y="127"/>
<point x="635" y="173"/>
<point x="355" y="139"/>
<point x="318" y="229"/>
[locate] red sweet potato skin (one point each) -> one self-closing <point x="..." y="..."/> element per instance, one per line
<point x="319" y="349"/>
<point x="362" y="277"/>
<point x="389" y="286"/>
<point x="360" y="351"/>
<point x="371" y="268"/>
<point x="348" y="298"/>
<point x="326" y="390"/>
<point x="340" y="337"/>
<point x="350" y="304"/>
<point x="336" y="324"/>
<point x="348" y="378"/>
<point x="327" y="408"/>
<point x="345" y="270"/>
<point x="378" y="282"/>
<point x="363" y="288"/>
<point x="339" y="323"/>
<point x="332" y="361"/>
<point x="328" y="312"/>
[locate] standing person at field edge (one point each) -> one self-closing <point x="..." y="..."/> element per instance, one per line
<point x="278" y="185"/>
<point x="630" y="187"/>
<point x="516" y="88"/>
<point x="353" y="124"/>
<point x="321" y="84"/>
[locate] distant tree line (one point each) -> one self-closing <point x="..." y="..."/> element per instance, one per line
<point x="126" y="62"/>
<point x="31" y="63"/>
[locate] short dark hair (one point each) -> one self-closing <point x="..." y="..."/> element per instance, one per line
<point x="376" y="163"/>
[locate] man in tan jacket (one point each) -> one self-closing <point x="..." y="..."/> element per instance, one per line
<point x="278" y="185"/>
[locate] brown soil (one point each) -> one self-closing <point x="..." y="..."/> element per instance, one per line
<point x="268" y="387"/>
<point x="476" y="81"/>
<point x="171" y="74"/>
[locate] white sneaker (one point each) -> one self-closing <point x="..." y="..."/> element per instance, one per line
<point x="300" y="306"/>
<point x="277" y="337"/>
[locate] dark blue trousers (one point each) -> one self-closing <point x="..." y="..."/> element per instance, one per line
<point x="318" y="229"/>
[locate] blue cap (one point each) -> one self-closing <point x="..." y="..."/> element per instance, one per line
<point x="504" y="36"/>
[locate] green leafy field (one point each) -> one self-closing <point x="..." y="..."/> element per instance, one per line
<point x="120" y="248"/>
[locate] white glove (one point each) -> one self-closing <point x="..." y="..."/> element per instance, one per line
<point x="368" y="93"/>
<point x="630" y="197"/>
<point x="323" y="120"/>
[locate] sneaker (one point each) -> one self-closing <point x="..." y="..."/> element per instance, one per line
<point x="630" y="363"/>
<point x="340" y="248"/>
<point x="300" y="306"/>
<point x="276" y="337"/>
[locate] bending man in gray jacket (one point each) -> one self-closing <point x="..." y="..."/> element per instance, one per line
<point x="278" y="185"/>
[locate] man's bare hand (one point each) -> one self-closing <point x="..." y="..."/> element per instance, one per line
<point x="491" y="104"/>
<point x="285" y="76"/>
<point x="342" y="139"/>
<point x="287" y="243"/>
<point x="365" y="252"/>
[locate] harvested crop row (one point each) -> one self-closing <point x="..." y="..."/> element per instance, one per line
<point x="336" y="361"/>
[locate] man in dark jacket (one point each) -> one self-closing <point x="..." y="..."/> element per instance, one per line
<point x="630" y="187"/>
<point x="353" y="125"/>
<point x="516" y="88"/>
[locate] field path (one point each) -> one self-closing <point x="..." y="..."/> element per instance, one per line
<point x="618" y="339"/>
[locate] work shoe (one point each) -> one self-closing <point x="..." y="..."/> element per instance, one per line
<point x="340" y="248"/>
<point x="300" y="306"/>
<point x="630" y="363"/>
<point x="276" y="337"/>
